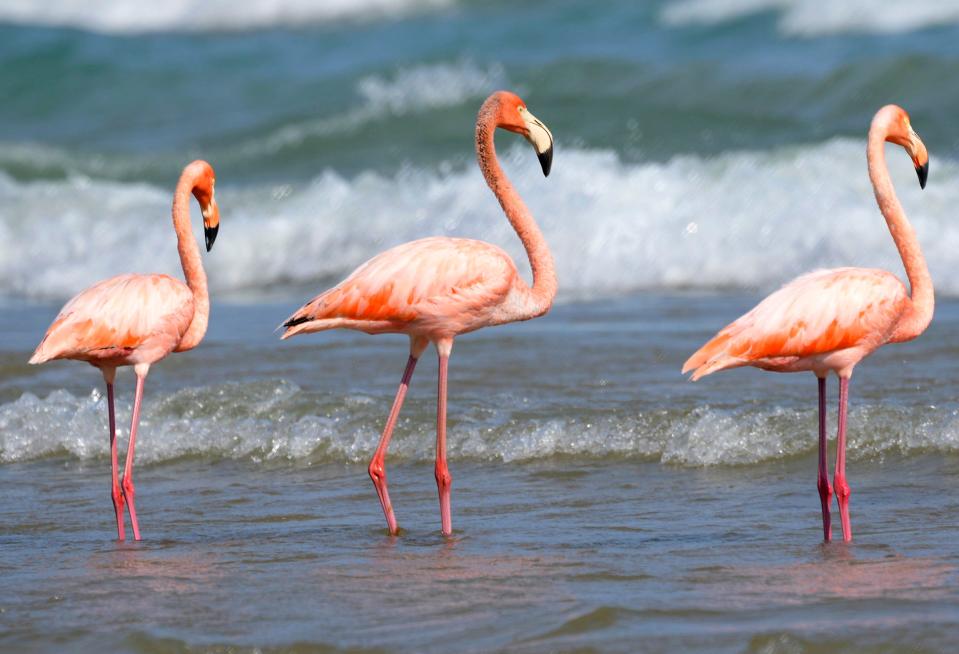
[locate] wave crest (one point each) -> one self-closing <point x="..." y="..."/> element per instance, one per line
<point x="808" y="18"/>
<point x="407" y="91"/>
<point x="743" y="219"/>
<point x="277" y="420"/>
<point x="122" y="17"/>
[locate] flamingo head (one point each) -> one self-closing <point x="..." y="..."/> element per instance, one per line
<point x="515" y="117"/>
<point x="203" y="191"/>
<point x="899" y="131"/>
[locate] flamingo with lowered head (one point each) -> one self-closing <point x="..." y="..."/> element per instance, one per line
<point x="436" y="288"/>
<point x="136" y="320"/>
<point x="829" y="320"/>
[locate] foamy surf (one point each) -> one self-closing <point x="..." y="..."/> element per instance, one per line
<point x="739" y="220"/>
<point x="277" y="420"/>
<point x="810" y="18"/>
<point x="119" y="17"/>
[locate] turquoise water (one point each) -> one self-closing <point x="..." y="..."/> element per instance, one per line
<point x="706" y="151"/>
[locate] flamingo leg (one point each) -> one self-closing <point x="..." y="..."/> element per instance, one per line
<point x="444" y="480"/>
<point x="377" y="468"/>
<point x="839" y="480"/>
<point x="115" y="492"/>
<point x="825" y="490"/>
<point x="129" y="492"/>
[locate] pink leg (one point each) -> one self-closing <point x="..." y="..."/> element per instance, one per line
<point x="825" y="490"/>
<point x="129" y="492"/>
<point x="116" y="493"/>
<point x="839" y="481"/>
<point x="443" y="478"/>
<point x="377" y="467"/>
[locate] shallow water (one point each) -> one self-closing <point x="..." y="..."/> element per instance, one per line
<point x="599" y="500"/>
<point x="550" y="556"/>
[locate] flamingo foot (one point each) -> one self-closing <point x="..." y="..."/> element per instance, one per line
<point x="842" y="498"/>
<point x="377" y="472"/>
<point x="825" y="495"/>
<point x="444" y="482"/>
<point x="117" y="495"/>
<point x="129" y="494"/>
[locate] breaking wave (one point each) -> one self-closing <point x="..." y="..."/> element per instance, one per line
<point x="121" y="17"/>
<point x="277" y="420"/>
<point x="811" y="18"/>
<point x="742" y="219"/>
<point x="407" y="91"/>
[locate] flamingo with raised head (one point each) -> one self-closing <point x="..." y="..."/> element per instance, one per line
<point x="136" y="320"/>
<point x="435" y="289"/>
<point x="829" y="320"/>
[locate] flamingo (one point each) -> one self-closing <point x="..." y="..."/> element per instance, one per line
<point x="136" y="320"/>
<point x="435" y="289"/>
<point x="829" y="320"/>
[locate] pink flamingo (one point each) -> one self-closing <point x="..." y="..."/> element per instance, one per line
<point x="434" y="289"/>
<point x="136" y="320"/>
<point x="829" y="320"/>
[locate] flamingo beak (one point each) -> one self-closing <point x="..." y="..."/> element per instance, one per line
<point x="923" y="172"/>
<point x="546" y="160"/>
<point x="540" y="138"/>
<point x="211" y="223"/>
<point x="920" y="157"/>
<point x="210" y="233"/>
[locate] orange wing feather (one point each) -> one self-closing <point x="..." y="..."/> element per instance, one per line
<point x="817" y="313"/>
<point x="410" y="284"/>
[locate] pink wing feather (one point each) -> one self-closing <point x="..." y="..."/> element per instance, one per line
<point x="411" y="284"/>
<point x="817" y="313"/>
<point x="115" y="317"/>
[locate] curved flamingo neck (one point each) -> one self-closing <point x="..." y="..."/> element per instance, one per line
<point x="191" y="261"/>
<point x="541" y="260"/>
<point x="919" y="314"/>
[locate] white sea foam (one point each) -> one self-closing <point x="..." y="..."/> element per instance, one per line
<point x="125" y="17"/>
<point x="277" y="420"/>
<point x="809" y="18"/>
<point x="747" y="219"/>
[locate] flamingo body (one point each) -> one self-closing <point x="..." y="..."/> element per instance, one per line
<point x="121" y="321"/>
<point x="136" y="320"/>
<point x="829" y="320"/>
<point x="433" y="287"/>
<point x="826" y="320"/>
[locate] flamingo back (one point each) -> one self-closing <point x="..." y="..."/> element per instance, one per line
<point x="430" y="285"/>
<point x="815" y="314"/>
<point x="126" y="319"/>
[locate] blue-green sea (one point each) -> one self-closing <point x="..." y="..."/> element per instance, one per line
<point x="706" y="152"/>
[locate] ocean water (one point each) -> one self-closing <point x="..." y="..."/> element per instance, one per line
<point x="706" y="152"/>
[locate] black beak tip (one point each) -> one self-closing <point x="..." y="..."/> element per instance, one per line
<point x="210" y="233"/>
<point x="923" y="172"/>
<point x="546" y="160"/>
